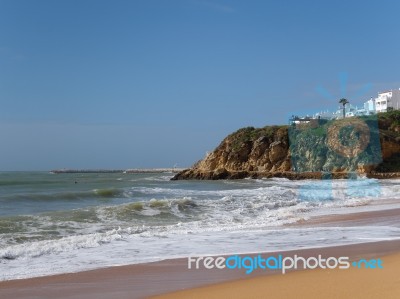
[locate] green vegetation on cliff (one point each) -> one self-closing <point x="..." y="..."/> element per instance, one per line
<point x="364" y="144"/>
<point x="350" y="144"/>
<point x="251" y="134"/>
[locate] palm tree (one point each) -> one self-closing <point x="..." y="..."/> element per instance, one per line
<point x="344" y="102"/>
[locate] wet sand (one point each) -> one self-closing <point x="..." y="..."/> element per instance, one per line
<point x="145" y="280"/>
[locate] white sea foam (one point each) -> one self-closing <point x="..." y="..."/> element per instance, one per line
<point x="121" y="247"/>
<point x="174" y="219"/>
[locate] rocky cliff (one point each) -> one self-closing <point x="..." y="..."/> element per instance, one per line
<point x="311" y="150"/>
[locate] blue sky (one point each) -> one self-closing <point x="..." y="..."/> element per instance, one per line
<point x="123" y="84"/>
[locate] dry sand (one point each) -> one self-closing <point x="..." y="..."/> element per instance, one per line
<point x="308" y="284"/>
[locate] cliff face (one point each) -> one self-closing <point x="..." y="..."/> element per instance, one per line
<point x="246" y="151"/>
<point x="296" y="153"/>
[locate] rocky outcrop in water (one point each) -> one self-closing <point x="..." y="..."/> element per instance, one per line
<point x="305" y="152"/>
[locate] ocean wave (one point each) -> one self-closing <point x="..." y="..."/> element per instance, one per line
<point x="79" y="253"/>
<point x="175" y="208"/>
<point x="112" y="192"/>
<point x="164" y="210"/>
<point x="39" y="248"/>
<point x="66" y="195"/>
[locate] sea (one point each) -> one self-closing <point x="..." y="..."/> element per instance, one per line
<point x="70" y="222"/>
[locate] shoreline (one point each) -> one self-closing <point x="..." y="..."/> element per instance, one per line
<point x="167" y="276"/>
<point x="359" y="218"/>
<point x="149" y="279"/>
<point x="307" y="284"/>
<point x="223" y="174"/>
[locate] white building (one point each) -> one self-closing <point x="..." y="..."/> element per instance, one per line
<point x="387" y="99"/>
<point x="369" y="106"/>
<point x="324" y="115"/>
<point x="350" y="110"/>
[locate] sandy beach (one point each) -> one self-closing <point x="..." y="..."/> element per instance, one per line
<point x="329" y="284"/>
<point x="199" y="149"/>
<point x="168" y="278"/>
